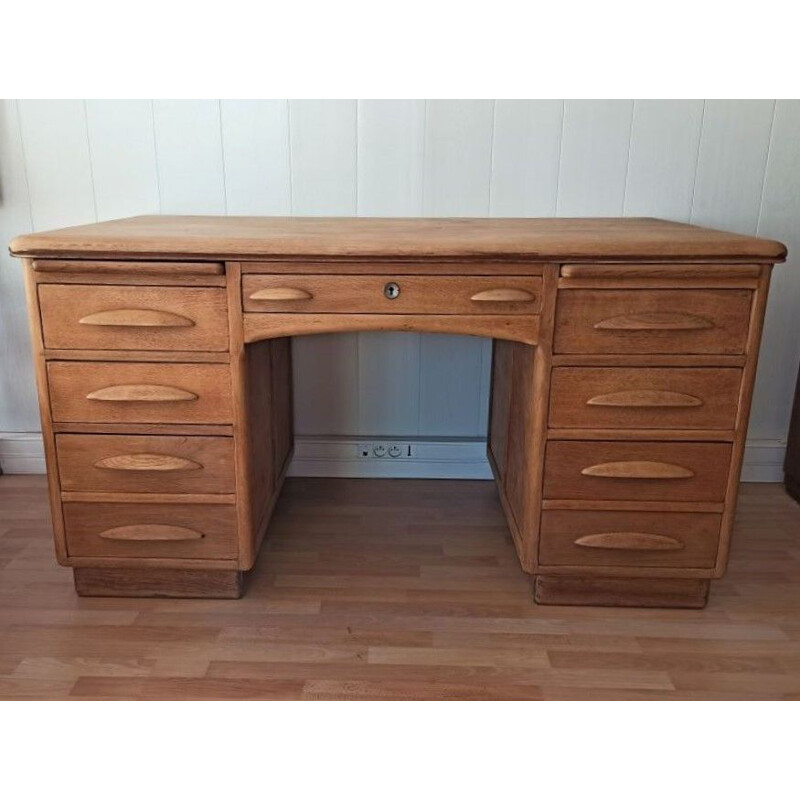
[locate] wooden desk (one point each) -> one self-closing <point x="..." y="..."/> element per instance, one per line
<point x="624" y="358"/>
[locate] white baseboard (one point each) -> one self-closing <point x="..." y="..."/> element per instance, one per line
<point x="338" y="457"/>
<point x="763" y="461"/>
<point x="23" y="454"/>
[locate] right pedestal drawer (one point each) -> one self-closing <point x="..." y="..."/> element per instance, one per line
<point x="650" y="471"/>
<point x="682" y="321"/>
<point x="642" y="397"/>
<point x="629" y="539"/>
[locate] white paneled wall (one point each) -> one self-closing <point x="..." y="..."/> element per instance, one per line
<point x="730" y="164"/>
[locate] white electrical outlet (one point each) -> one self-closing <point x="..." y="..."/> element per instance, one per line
<point x="386" y="449"/>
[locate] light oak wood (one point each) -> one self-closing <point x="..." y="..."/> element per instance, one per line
<point x="136" y="318"/>
<point x="100" y="267"/>
<point x="642" y="470"/>
<point x="693" y="538"/>
<point x="561" y="240"/>
<point x="607" y="397"/>
<point x="186" y="356"/>
<point x="183" y="583"/>
<point x="621" y="386"/>
<point x="108" y="529"/>
<point x="133" y="318"/>
<point x="503" y="296"/>
<point x="638" y="592"/>
<point x="757" y="313"/>
<point x="105" y="392"/>
<point x="630" y="541"/>
<point x="141" y="393"/>
<point x="645" y="398"/>
<point x="500" y="407"/>
<point x="108" y="428"/>
<point x="114" y="463"/>
<point x="282" y="293"/>
<point x="653" y="321"/>
<point x="513" y="327"/>
<point x="151" y="533"/>
<point x="359" y="294"/>
<point x="669" y="272"/>
<point x="45" y="412"/>
<point x="155" y="497"/>
<point x="147" y="462"/>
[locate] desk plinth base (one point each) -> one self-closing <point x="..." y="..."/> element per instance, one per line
<point x="110" y="582"/>
<point x="555" y="590"/>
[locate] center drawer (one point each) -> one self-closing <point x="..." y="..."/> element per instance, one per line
<point x="162" y="464"/>
<point x="399" y="294"/>
<point x="133" y="318"/>
<point x="665" y="471"/>
<point x="640" y="397"/>
<point x="134" y="392"/>
<point x="150" y="530"/>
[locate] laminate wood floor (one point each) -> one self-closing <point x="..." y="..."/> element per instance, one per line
<point x="396" y="589"/>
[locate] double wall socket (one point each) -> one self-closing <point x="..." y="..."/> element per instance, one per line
<point x="386" y="449"/>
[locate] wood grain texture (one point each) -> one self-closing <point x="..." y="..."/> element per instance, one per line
<point x="564" y="533"/>
<point x="514" y="327"/>
<point x="133" y="318"/>
<point x="253" y="237"/>
<point x="678" y="471"/>
<point x="606" y="397"/>
<point x="431" y="606"/>
<point x="641" y="592"/>
<point x="654" y="321"/>
<point x="114" y="463"/>
<point x="183" y="583"/>
<point x="99" y="268"/>
<point x="502" y="364"/>
<point x="183" y="393"/>
<point x="357" y="294"/>
<point x="108" y="529"/>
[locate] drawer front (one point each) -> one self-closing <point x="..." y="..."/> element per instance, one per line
<point x="652" y="321"/>
<point x="680" y="471"/>
<point x="133" y="318"/>
<point x="620" y="397"/>
<point x="628" y="539"/>
<point x="156" y="530"/>
<point x="134" y="392"/>
<point x="164" y="464"/>
<point x="414" y="294"/>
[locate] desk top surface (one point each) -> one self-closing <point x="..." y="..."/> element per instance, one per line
<point x="252" y="238"/>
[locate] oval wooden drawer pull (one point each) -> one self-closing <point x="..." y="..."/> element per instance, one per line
<point x="137" y="318"/>
<point x="151" y="533"/>
<point x="645" y="398"/>
<point x="503" y="296"/>
<point x="147" y="462"/>
<point x="655" y="470"/>
<point x="629" y="541"/>
<point x="655" y="321"/>
<point x="281" y="293"/>
<point x="141" y="393"/>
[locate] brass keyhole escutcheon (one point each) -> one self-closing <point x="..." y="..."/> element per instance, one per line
<point x="391" y="291"/>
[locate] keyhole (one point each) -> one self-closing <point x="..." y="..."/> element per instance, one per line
<point x="391" y="290"/>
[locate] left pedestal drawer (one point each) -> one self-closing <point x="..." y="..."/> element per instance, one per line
<point x="163" y="464"/>
<point x="150" y="530"/>
<point x="137" y="392"/>
<point x="76" y="317"/>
